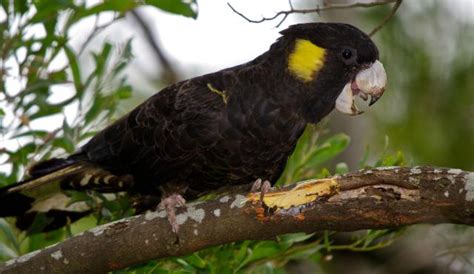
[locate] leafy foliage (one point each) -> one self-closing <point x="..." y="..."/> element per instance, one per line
<point x="309" y="154"/>
<point x="428" y="111"/>
<point x="36" y="37"/>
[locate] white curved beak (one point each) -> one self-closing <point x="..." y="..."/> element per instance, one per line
<point x="370" y="81"/>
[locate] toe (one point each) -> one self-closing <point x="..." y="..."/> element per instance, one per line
<point x="256" y="185"/>
<point x="266" y="186"/>
<point x="180" y="201"/>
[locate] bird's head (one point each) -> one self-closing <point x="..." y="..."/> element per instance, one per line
<point x="336" y="62"/>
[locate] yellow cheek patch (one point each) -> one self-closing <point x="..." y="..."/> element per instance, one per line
<point x="306" y="60"/>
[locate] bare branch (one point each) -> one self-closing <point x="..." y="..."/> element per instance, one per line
<point x="95" y="32"/>
<point x="169" y="74"/>
<point x="317" y="10"/>
<point x="387" y="18"/>
<point x="369" y="199"/>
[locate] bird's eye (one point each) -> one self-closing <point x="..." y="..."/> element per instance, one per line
<point x="347" y="54"/>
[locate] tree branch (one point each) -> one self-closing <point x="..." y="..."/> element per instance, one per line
<point x="169" y="74"/>
<point x="285" y="13"/>
<point x="387" y="18"/>
<point x="369" y="199"/>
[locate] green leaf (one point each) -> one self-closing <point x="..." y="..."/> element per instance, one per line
<point x="95" y="109"/>
<point x="305" y="253"/>
<point x="184" y="8"/>
<point x="21" y="6"/>
<point x="183" y="272"/>
<point x="47" y="10"/>
<point x="302" y="148"/>
<point x="34" y="133"/>
<point x="288" y="240"/>
<point x="328" y="150"/>
<point x="397" y="159"/>
<point x="68" y="131"/>
<point x="38" y="241"/>
<point x="373" y="235"/>
<point x="45" y="109"/>
<point x="8" y="232"/>
<point x="365" y="158"/>
<point x="78" y="196"/>
<point x="342" y="168"/>
<point x="3" y="179"/>
<point x="5" y="5"/>
<point x="303" y="142"/>
<point x="324" y="173"/>
<point x="267" y="269"/>
<point x="48" y="18"/>
<point x="2" y="114"/>
<point x="58" y="76"/>
<point x="124" y="92"/>
<point x="243" y="252"/>
<point x="65" y="144"/>
<point x="7" y="252"/>
<point x="118" y="6"/>
<point x="195" y="261"/>
<point x="264" y="249"/>
<point x="23" y="153"/>
<point x="76" y="72"/>
<point x="101" y="59"/>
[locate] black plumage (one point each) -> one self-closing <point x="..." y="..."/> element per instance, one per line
<point x="230" y="127"/>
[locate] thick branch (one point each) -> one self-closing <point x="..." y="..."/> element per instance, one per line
<point x="368" y="199"/>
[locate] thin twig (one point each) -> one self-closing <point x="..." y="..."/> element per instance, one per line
<point x="387" y="18"/>
<point x="318" y="9"/>
<point x="169" y="74"/>
<point x="96" y="30"/>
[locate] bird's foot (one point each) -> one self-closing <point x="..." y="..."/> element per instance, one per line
<point x="262" y="186"/>
<point x="170" y="203"/>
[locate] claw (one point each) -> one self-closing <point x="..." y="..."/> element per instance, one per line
<point x="266" y="186"/>
<point x="256" y="185"/>
<point x="263" y="187"/>
<point x="170" y="204"/>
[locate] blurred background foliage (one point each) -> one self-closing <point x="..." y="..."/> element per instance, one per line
<point x="56" y="92"/>
<point x="428" y="56"/>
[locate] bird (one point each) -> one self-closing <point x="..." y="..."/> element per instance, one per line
<point x="232" y="127"/>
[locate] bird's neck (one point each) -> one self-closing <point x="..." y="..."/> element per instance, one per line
<point x="314" y="100"/>
<point x="318" y="100"/>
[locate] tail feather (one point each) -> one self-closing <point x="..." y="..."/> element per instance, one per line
<point x="32" y="200"/>
<point x="14" y="204"/>
<point x="40" y="203"/>
<point x="34" y="184"/>
<point x="49" y="166"/>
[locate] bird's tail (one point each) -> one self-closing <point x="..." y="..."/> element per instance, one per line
<point x="41" y="204"/>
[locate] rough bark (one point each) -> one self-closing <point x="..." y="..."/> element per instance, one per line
<point x="368" y="199"/>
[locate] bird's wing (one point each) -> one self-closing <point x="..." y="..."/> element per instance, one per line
<point x="162" y="135"/>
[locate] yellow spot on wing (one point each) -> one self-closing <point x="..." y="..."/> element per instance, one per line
<point x="306" y="60"/>
<point x="301" y="194"/>
<point x="218" y="92"/>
